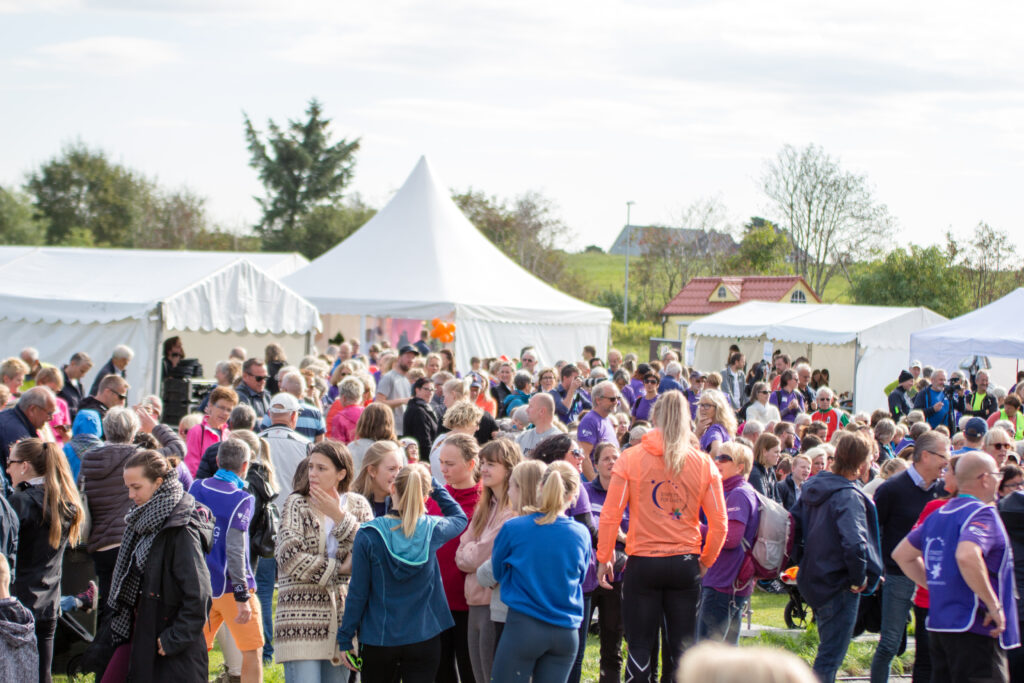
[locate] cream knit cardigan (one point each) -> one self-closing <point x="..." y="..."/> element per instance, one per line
<point x="311" y="587"/>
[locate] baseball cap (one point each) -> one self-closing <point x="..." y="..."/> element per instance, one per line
<point x="476" y="380"/>
<point x="408" y="348"/>
<point x="916" y="364"/>
<point x="976" y="428"/>
<point x="284" y="403"/>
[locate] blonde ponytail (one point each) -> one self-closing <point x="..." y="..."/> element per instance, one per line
<point x="671" y="416"/>
<point x="558" y="488"/>
<point x="412" y="486"/>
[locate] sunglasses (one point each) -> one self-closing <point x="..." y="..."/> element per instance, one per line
<point x="258" y="378"/>
<point x="577" y="452"/>
<point x="650" y="381"/>
<point x="1002" y="446"/>
<point x="764" y="392"/>
<point x="123" y="397"/>
<point x="723" y="458"/>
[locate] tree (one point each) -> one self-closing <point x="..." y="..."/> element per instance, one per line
<point x="301" y="170"/>
<point x="82" y="189"/>
<point x="18" y="223"/>
<point x="922" y="276"/>
<point x="764" y="250"/>
<point x="172" y="220"/>
<point x="830" y="214"/>
<point x="985" y="264"/>
<point x="525" y="229"/>
<point x="326" y="226"/>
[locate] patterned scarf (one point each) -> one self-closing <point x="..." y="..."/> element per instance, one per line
<point x="143" y="525"/>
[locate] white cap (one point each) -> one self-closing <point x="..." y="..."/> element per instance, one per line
<point x="284" y="403"/>
<point x="915" y="364"/>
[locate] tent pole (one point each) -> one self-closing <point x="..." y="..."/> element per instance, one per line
<point x="856" y="367"/>
<point x="158" y="352"/>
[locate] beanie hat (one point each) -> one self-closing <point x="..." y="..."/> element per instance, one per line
<point x="904" y="376"/>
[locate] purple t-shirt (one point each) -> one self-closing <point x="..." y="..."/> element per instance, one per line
<point x="580" y="506"/>
<point x="232" y="508"/>
<point x="642" y="411"/>
<point x="628" y="394"/>
<point x="713" y="433"/>
<point x="694" y="400"/>
<point x="780" y="399"/>
<point x="594" y="429"/>
<point x="597" y="496"/>
<point x="637" y="385"/>
<point x="741" y="507"/>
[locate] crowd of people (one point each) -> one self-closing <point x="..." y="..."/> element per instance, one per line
<point x="423" y="522"/>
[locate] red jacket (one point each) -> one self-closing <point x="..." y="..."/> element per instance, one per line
<point x="453" y="578"/>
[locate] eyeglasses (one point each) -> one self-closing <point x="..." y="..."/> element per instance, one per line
<point x="1014" y="485"/>
<point x="1002" y="446"/>
<point x="998" y="476"/>
<point x="258" y="378"/>
<point x="944" y="456"/>
<point x="723" y="458"/>
<point x="650" y="381"/>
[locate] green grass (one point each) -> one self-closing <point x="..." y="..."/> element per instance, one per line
<point x="601" y="271"/>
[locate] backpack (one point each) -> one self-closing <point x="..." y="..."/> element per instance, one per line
<point x="266" y="518"/>
<point x="773" y="543"/>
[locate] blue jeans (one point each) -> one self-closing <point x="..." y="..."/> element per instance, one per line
<point x="266" y="574"/>
<point x="315" y="671"/>
<point x="577" y="666"/>
<point x="720" y="616"/>
<point x="897" y="597"/>
<point x="836" y="619"/>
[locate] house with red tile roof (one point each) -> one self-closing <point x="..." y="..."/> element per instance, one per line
<point x="706" y="295"/>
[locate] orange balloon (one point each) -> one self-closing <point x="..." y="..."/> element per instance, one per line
<point x="436" y="333"/>
<point x="435" y="322"/>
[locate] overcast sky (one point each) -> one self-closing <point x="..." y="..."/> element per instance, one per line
<point x="591" y="103"/>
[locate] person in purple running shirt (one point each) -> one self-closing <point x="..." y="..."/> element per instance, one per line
<point x="645" y="402"/>
<point x="595" y="426"/>
<point x="716" y="423"/>
<point x="787" y="399"/>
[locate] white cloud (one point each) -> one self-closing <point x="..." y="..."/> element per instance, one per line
<point x="107" y="54"/>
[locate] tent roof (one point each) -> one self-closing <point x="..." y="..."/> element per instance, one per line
<point x="878" y="326"/>
<point x="421" y="257"/>
<point x="198" y="290"/>
<point x="992" y="330"/>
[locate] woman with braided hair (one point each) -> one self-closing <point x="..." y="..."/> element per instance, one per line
<point x="160" y="591"/>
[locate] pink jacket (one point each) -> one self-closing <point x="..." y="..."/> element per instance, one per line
<point x="198" y="439"/>
<point x="343" y="426"/>
<point x="474" y="551"/>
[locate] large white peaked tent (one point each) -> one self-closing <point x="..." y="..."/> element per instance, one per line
<point x="994" y="331"/>
<point x="863" y="347"/>
<point x="421" y="258"/>
<point x="62" y="301"/>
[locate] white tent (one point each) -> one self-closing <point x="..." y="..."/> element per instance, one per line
<point x="863" y="347"/>
<point x="66" y="300"/>
<point x="421" y="258"/>
<point x="994" y="331"/>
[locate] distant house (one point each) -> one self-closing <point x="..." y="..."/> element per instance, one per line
<point x="705" y="295"/>
<point x="692" y="240"/>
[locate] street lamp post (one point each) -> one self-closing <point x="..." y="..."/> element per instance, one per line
<point x="629" y="245"/>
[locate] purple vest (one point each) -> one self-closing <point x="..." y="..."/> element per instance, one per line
<point x="954" y="606"/>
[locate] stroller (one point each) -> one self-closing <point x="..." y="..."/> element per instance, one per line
<point x="75" y="629"/>
<point x="797" y="613"/>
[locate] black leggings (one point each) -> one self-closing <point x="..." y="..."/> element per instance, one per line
<point x="413" y="663"/>
<point x="45" y="628"/>
<point x="922" y="655"/>
<point x="656" y="591"/>
<point x="455" y="666"/>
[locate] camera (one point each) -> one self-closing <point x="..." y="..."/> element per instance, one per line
<point x="591" y="382"/>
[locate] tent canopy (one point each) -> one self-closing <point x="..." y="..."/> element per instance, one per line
<point x="67" y="300"/>
<point x="420" y="257"/>
<point x="864" y="347"/>
<point x="993" y="330"/>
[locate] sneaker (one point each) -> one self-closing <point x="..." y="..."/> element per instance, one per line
<point x="89" y="599"/>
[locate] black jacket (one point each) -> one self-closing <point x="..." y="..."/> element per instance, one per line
<point x="786" y="492"/>
<point x="9" y="524"/>
<point x="175" y="600"/>
<point x="421" y="423"/>
<point x="1011" y="510"/>
<point x="989" y="405"/>
<point x="258" y="479"/>
<point x="14" y="426"/>
<point x="37" y="584"/>
<point x="838" y="521"/>
<point x="899" y="403"/>
<point x="107" y="369"/>
<point x="72" y="392"/>
<point x="763" y="480"/>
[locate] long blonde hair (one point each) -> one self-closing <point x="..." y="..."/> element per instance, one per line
<point x="503" y="452"/>
<point x="558" y="488"/>
<point x="412" y="486"/>
<point x="363" y="485"/>
<point x="723" y="411"/>
<point x="60" y="495"/>
<point x="671" y="416"/>
<point x="527" y="476"/>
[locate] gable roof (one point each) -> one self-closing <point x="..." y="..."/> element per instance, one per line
<point x="688" y="238"/>
<point x="693" y="298"/>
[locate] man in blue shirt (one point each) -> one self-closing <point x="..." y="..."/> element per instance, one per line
<point x="672" y="378"/>
<point x="938" y="404"/>
<point x="570" y="398"/>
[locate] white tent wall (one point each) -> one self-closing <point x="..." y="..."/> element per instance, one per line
<point x="482" y="338"/>
<point x="57" y="342"/>
<point x="212" y="347"/>
<point x="878" y="368"/>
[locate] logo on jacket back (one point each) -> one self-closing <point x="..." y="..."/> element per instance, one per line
<point x="934" y="549"/>
<point x="667" y="498"/>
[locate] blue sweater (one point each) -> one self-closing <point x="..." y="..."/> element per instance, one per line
<point x="541" y="568"/>
<point x="396" y="596"/>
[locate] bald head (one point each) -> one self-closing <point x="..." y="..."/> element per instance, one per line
<point x="971" y="471"/>
<point x="541" y="410"/>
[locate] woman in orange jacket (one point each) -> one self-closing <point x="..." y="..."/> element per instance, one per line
<point x="666" y="482"/>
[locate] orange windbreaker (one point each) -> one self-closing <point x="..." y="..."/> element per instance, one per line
<point x="664" y="511"/>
